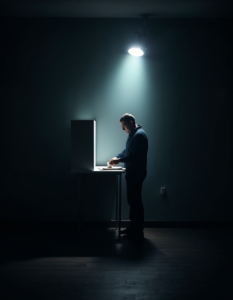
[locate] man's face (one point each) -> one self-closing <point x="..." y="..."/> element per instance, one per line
<point x="127" y="127"/>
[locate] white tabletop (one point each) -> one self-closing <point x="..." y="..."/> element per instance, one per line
<point x="111" y="170"/>
<point x="98" y="169"/>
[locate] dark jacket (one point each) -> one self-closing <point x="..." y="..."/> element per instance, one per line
<point x="134" y="156"/>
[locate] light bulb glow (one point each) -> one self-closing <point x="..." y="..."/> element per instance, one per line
<point x="136" y="52"/>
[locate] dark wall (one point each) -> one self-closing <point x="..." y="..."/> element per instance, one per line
<point x="57" y="70"/>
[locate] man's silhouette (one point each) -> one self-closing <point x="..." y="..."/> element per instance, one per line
<point x="134" y="157"/>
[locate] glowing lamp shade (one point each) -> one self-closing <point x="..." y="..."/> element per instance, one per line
<point x="135" y="51"/>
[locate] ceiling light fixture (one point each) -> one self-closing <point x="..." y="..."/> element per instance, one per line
<point x="139" y="47"/>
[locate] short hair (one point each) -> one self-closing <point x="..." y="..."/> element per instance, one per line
<point x="127" y="118"/>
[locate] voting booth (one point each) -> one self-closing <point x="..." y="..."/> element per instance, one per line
<point x="83" y="160"/>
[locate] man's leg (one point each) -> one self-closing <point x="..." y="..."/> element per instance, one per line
<point x="134" y="197"/>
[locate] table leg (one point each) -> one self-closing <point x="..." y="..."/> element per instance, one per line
<point x="79" y="202"/>
<point x="116" y="201"/>
<point x="119" y="227"/>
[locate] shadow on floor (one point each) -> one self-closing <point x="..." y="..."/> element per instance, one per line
<point x="38" y="242"/>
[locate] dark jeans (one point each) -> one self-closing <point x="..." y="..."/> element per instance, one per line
<point x="134" y="196"/>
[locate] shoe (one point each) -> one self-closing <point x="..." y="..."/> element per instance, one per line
<point x="134" y="236"/>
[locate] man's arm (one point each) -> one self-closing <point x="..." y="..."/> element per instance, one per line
<point x="121" y="154"/>
<point x="115" y="160"/>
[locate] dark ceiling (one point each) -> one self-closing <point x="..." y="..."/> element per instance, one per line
<point x="117" y="8"/>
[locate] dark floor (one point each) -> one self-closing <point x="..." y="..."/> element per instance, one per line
<point x="170" y="263"/>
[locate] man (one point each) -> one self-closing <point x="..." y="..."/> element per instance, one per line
<point x="134" y="157"/>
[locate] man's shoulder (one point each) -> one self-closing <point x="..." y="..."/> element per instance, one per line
<point x="140" y="132"/>
<point x="140" y="137"/>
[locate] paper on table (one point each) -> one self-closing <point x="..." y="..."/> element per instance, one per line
<point x="113" y="168"/>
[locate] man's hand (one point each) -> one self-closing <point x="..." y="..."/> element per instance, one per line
<point x="114" y="161"/>
<point x="111" y="159"/>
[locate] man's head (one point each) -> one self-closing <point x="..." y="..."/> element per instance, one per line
<point x="128" y="123"/>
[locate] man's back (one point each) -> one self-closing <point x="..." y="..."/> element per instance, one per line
<point x="135" y="154"/>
